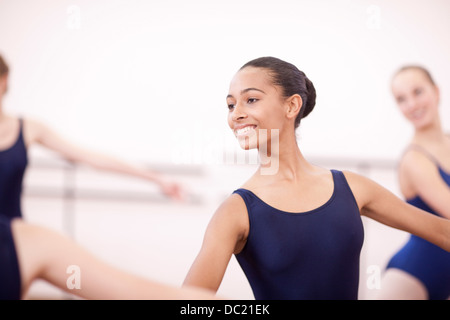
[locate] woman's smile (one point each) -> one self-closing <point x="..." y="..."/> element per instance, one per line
<point x="244" y="130"/>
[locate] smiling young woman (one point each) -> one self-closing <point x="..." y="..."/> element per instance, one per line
<point x="421" y="270"/>
<point x="297" y="233"/>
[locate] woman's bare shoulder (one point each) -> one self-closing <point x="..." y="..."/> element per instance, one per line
<point x="233" y="206"/>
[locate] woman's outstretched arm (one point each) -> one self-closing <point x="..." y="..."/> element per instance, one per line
<point x="37" y="132"/>
<point x="380" y="204"/>
<point x="225" y="235"/>
<point x="48" y="255"/>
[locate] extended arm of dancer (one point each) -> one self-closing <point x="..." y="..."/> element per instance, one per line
<point x="380" y="204"/>
<point x="225" y="235"/>
<point x="42" y="134"/>
<point x="49" y="258"/>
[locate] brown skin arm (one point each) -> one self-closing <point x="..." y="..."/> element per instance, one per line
<point x="225" y="235"/>
<point x="381" y="205"/>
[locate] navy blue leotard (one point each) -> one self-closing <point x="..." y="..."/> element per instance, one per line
<point x="13" y="162"/>
<point x="312" y="255"/>
<point x="424" y="260"/>
<point x="9" y="266"/>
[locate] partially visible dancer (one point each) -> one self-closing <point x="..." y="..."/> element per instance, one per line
<point x="420" y="269"/>
<point x="29" y="252"/>
<point x="18" y="134"/>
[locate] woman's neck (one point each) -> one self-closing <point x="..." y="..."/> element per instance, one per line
<point x="283" y="159"/>
<point x="432" y="133"/>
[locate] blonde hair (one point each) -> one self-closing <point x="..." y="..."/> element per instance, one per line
<point x="417" y="68"/>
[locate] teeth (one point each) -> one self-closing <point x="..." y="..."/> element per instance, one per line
<point x="244" y="130"/>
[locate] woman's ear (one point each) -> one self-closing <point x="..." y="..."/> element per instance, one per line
<point x="438" y="93"/>
<point x="294" y="105"/>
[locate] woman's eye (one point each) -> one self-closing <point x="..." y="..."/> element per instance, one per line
<point x="252" y="100"/>
<point x="230" y="106"/>
<point x="400" y="100"/>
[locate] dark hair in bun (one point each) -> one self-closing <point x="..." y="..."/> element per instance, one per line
<point x="291" y="80"/>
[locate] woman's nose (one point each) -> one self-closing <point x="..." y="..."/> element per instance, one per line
<point x="238" y="113"/>
<point x="410" y="104"/>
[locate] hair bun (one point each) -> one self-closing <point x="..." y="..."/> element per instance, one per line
<point x="311" y="99"/>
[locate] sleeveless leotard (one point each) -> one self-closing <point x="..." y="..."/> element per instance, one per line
<point x="9" y="266"/>
<point x="13" y="162"/>
<point x="424" y="260"/>
<point x="309" y="255"/>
